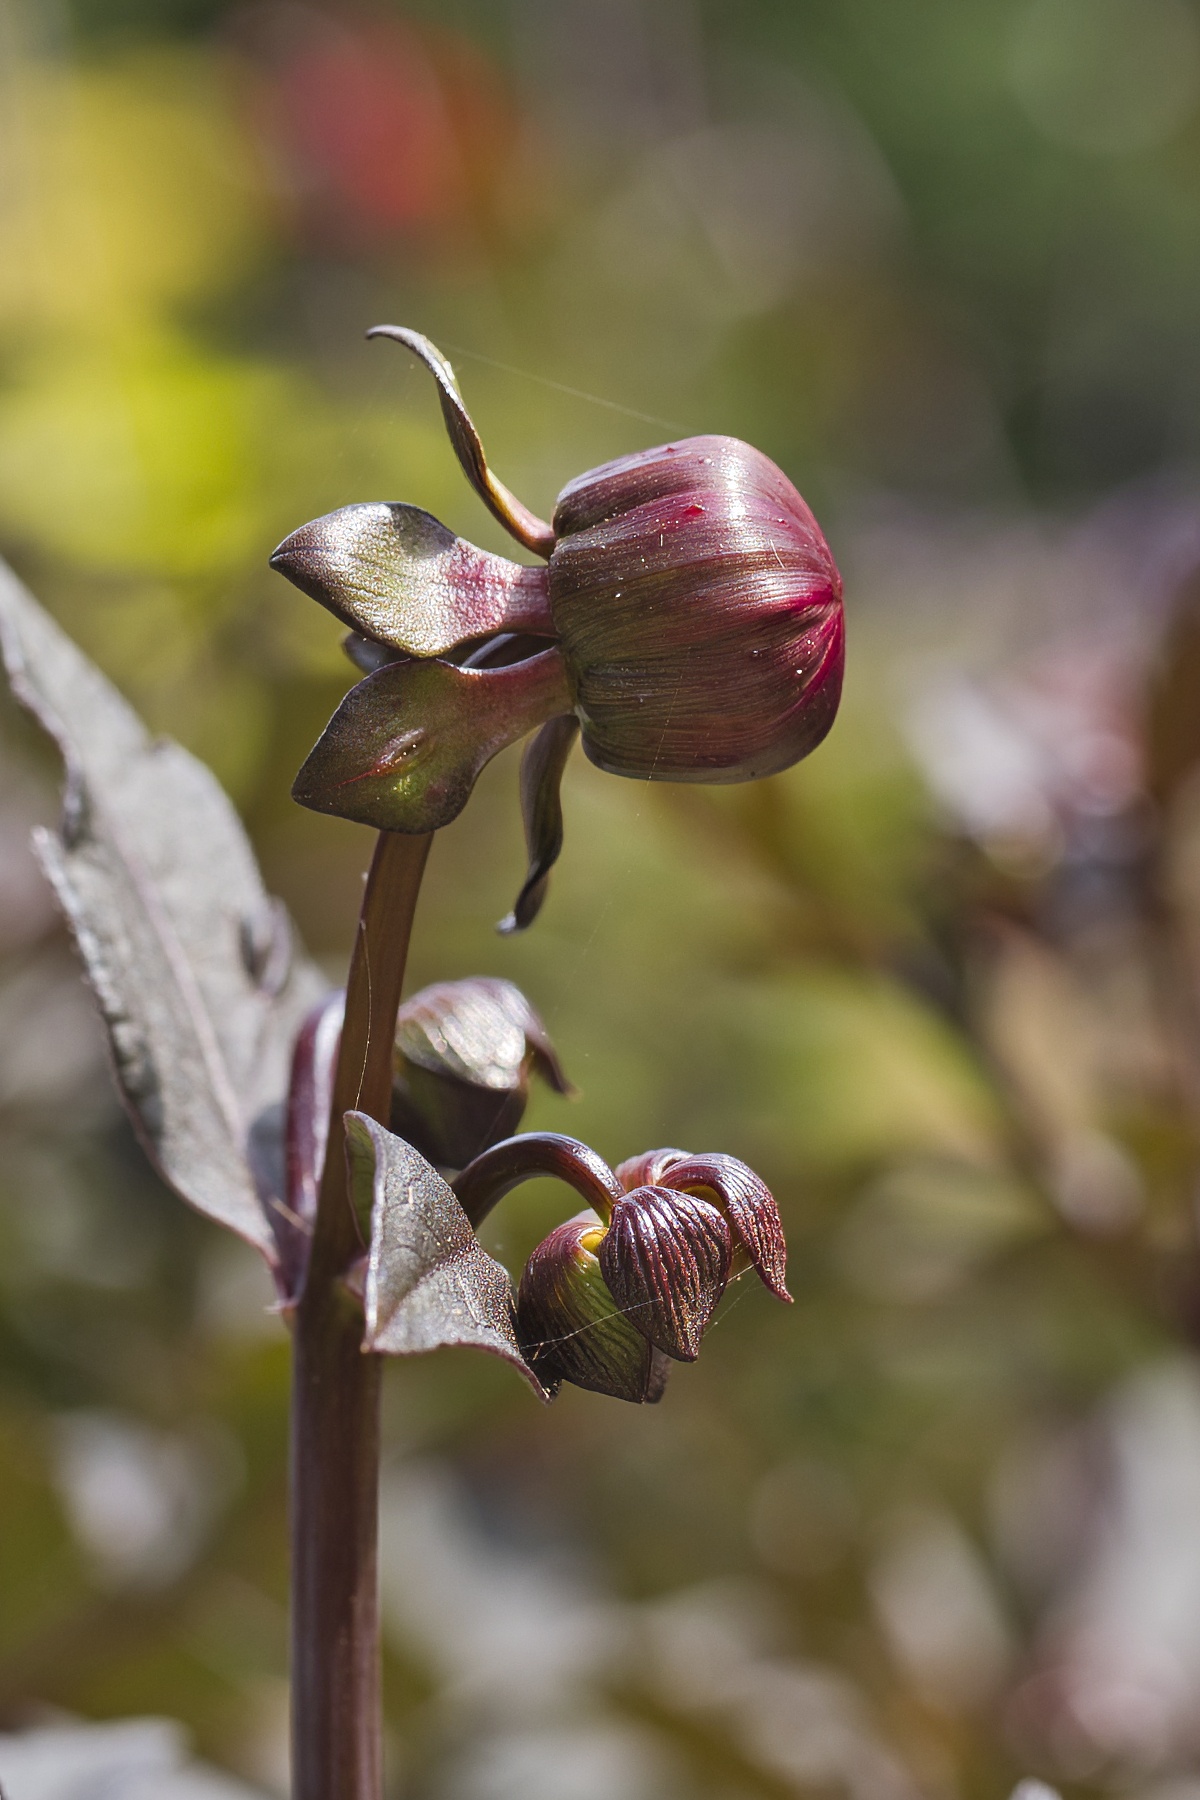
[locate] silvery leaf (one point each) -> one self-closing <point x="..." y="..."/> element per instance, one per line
<point x="199" y="981"/>
<point x="429" y="1281"/>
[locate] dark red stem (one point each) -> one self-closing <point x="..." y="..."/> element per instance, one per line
<point x="336" y="1718"/>
<point x="507" y="1164"/>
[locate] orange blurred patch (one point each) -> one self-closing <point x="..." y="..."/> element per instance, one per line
<point x="378" y="128"/>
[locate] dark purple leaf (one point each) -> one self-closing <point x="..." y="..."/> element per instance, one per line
<point x="429" y="1282"/>
<point x="200" y="983"/>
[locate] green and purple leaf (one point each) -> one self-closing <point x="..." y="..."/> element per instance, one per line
<point x="406" y="746"/>
<point x="395" y="575"/>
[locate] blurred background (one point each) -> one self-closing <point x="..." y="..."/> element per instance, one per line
<point x="937" y="1526"/>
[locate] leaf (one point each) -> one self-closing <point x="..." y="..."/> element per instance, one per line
<point x="429" y="1281"/>
<point x="200" y="985"/>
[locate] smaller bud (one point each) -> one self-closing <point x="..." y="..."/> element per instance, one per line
<point x="571" y="1328"/>
<point x="665" y="1259"/>
<point x="465" y="1052"/>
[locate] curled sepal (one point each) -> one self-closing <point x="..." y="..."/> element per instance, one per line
<point x="406" y="746"/>
<point x="529" y="1154"/>
<point x="465" y="1051"/>
<point x="749" y="1205"/>
<point x="665" y="1260"/>
<point x="516" y="518"/>
<point x="395" y="575"/>
<point x="428" y="1282"/>
<point x="306" y="1131"/>
<point x="542" y="764"/>
<point x="572" y="1329"/>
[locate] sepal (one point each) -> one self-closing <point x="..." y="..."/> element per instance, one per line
<point x="542" y="764"/>
<point x="395" y="575"/>
<point x="748" y="1204"/>
<point x="406" y="746"/>
<point x="665" y="1259"/>
<point x="648" y="1169"/>
<point x="571" y="1328"/>
<point x="465" y="1051"/>
<point x="515" y="517"/>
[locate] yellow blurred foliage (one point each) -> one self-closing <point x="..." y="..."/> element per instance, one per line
<point x="129" y="186"/>
<point x="141" y="453"/>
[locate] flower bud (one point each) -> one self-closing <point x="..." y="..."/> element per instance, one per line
<point x="465" y="1051"/>
<point x="689" y="626"/>
<point x="570" y="1327"/>
<point x="699" y="612"/>
<point x="649" y="1262"/>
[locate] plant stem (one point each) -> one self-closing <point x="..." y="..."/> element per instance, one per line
<point x="336" y="1716"/>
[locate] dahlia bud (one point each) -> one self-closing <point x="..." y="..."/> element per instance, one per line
<point x="699" y="611"/>
<point x="666" y="1233"/>
<point x="688" y="625"/>
<point x="465" y="1052"/>
<point x="571" y="1329"/>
